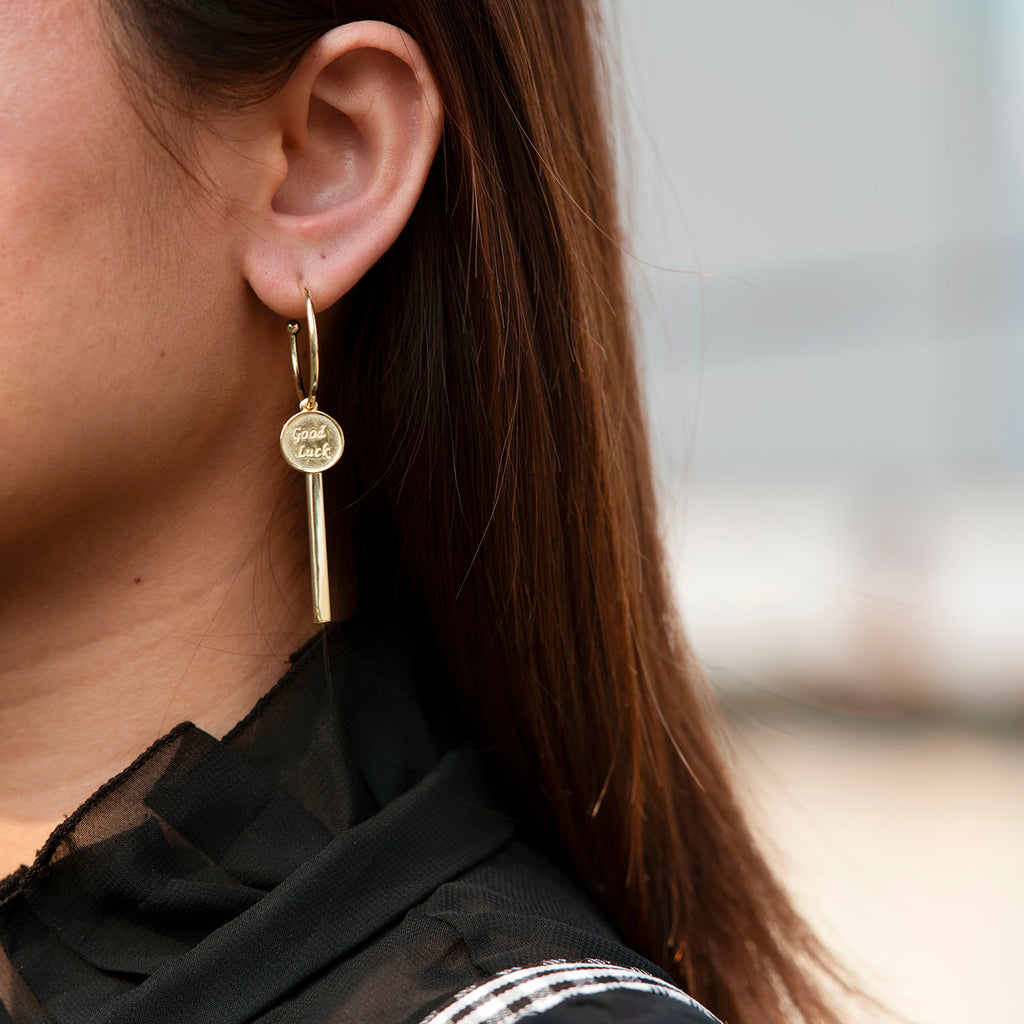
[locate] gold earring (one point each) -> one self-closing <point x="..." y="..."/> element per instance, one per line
<point x="311" y="442"/>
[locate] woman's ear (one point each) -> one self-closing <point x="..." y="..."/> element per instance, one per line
<point x="345" y="150"/>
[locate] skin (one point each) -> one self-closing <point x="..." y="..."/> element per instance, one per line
<point x="153" y="557"/>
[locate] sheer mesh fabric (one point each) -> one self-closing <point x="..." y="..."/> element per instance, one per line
<point x="339" y="856"/>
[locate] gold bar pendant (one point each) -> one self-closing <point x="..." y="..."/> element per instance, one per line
<point x="318" y="546"/>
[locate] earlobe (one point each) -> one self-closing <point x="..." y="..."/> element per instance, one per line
<point x="358" y="124"/>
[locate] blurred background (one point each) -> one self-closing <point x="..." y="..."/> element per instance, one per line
<point x="826" y="203"/>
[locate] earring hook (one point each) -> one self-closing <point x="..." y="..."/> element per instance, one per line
<point x="307" y="400"/>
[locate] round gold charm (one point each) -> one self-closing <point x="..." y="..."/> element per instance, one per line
<point x="312" y="441"/>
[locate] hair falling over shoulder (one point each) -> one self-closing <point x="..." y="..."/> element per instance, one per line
<point x="499" y="479"/>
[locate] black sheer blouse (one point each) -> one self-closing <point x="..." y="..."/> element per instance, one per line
<point x="339" y="856"/>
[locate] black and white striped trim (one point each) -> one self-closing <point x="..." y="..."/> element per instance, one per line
<point x="510" y="996"/>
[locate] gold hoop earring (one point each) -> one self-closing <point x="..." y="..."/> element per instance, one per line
<point x="311" y="442"/>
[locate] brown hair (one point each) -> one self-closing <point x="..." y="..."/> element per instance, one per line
<point x="503" y="485"/>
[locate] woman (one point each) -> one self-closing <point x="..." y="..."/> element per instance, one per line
<point x="178" y="177"/>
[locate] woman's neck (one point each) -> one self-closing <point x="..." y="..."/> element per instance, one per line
<point x="177" y="611"/>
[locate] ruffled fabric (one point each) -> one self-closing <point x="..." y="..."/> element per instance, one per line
<point x="240" y="867"/>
